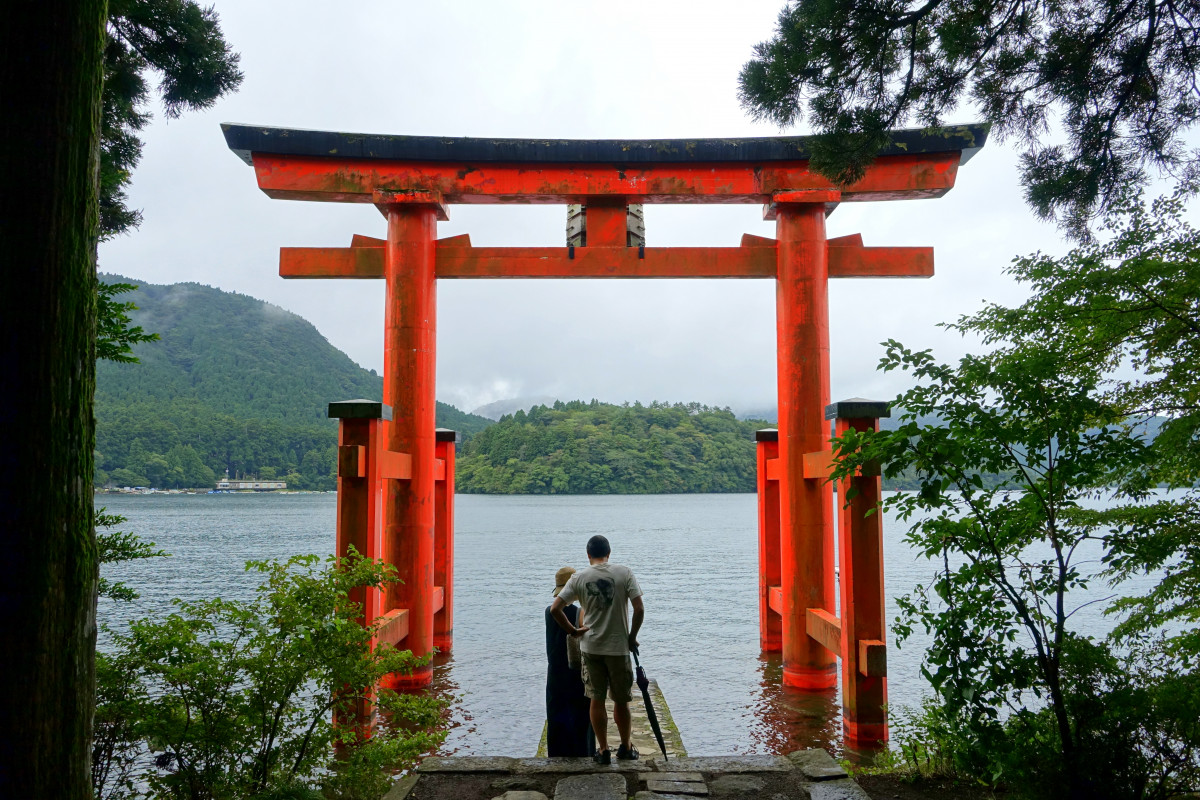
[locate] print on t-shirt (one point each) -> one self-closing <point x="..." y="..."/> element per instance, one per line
<point x="601" y="591"/>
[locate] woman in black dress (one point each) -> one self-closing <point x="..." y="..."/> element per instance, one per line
<point x="568" y="727"/>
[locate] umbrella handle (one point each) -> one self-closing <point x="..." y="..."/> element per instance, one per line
<point x="636" y="663"/>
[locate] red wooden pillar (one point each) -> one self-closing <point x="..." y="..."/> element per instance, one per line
<point x="806" y="514"/>
<point x="860" y="557"/>
<point x="359" y="512"/>
<point x="443" y="548"/>
<point x="408" y="386"/>
<point x="770" y="630"/>
<point x="359" y="507"/>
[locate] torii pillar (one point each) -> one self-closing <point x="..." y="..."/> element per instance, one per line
<point x="805" y="514"/>
<point x="410" y="341"/>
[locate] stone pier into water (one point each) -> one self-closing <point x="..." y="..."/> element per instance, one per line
<point x="642" y="734"/>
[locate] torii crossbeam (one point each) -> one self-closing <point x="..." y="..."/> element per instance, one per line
<point x="412" y="180"/>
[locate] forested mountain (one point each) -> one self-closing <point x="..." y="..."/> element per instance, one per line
<point x="234" y="384"/>
<point x="599" y="448"/>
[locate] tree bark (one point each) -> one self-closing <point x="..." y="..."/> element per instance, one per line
<point x="51" y="74"/>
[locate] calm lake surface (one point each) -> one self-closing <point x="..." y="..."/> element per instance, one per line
<point x="695" y="556"/>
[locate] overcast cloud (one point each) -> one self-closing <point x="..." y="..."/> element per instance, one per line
<point x="555" y="70"/>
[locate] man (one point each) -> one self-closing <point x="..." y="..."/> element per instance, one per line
<point x="604" y="590"/>
<point x="568" y="710"/>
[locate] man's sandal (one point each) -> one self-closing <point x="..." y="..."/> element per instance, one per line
<point x="630" y="754"/>
<point x="603" y="758"/>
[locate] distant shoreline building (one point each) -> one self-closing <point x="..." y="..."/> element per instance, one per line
<point x="228" y="485"/>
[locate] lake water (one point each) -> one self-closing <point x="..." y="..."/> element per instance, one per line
<point x="696" y="557"/>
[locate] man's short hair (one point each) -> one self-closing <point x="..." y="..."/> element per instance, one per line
<point x="598" y="547"/>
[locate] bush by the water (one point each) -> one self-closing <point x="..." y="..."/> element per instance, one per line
<point x="1022" y="696"/>
<point x="238" y="699"/>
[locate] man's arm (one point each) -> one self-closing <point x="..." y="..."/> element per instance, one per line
<point x="556" y="611"/>
<point x="639" y="613"/>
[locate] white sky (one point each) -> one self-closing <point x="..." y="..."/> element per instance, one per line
<point x="554" y="70"/>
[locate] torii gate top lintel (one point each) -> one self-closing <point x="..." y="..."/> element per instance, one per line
<point x="351" y="167"/>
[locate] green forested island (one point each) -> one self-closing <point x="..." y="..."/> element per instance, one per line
<point x="600" y="448"/>
<point x="234" y="384"/>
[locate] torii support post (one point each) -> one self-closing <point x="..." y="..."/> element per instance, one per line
<point x="806" y="515"/>
<point x="443" y="546"/>
<point x="359" y="512"/>
<point x="359" y="515"/>
<point x="364" y="466"/>
<point x="860" y="557"/>
<point x="770" y="629"/>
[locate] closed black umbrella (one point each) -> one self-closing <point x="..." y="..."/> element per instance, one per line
<point x="644" y="684"/>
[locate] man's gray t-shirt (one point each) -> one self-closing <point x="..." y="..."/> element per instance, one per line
<point x="604" y="592"/>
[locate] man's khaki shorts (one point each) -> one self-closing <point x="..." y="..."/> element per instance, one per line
<point x="611" y="675"/>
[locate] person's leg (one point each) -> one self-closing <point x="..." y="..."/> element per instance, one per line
<point x="620" y="682"/>
<point x="599" y="717"/>
<point x="624" y="721"/>
<point x="595" y="686"/>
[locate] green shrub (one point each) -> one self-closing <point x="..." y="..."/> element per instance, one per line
<point x="237" y="699"/>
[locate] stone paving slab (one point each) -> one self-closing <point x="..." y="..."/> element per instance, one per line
<point x="598" y="786"/>
<point x="401" y="788"/>
<point x="468" y="764"/>
<point x="737" y="785"/>
<point x="817" y="765"/>
<point x="517" y="794"/>
<point x="516" y="783"/>
<point x="676" y="787"/>
<point x="535" y="766"/>
<point x="690" y="777"/>
<point x="645" y="795"/>
<point x="845" y="789"/>
<point x="747" y="763"/>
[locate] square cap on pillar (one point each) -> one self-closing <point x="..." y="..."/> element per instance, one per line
<point x="445" y="435"/>
<point x="857" y="408"/>
<point x="767" y="435"/>
<point x="359" y="409"/>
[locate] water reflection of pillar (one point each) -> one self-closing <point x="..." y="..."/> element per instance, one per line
<point x="788" y="719"/>
<point x="460" y="724"/>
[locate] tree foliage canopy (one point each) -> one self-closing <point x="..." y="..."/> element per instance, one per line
<point x="1118" y="77"/>
<point x="181" y="43"/>
<point x="1128" y="307"/>
<point x="1060" y="406"/>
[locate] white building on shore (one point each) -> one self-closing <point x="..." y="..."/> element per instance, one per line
<point x="228" y="485"/>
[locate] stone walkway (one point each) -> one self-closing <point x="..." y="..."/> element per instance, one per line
<point x="802" y="775"/>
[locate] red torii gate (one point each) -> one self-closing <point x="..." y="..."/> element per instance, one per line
<point x="412" y="179"/>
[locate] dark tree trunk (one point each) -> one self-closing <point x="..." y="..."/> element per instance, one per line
<point x="51" y="73"/>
